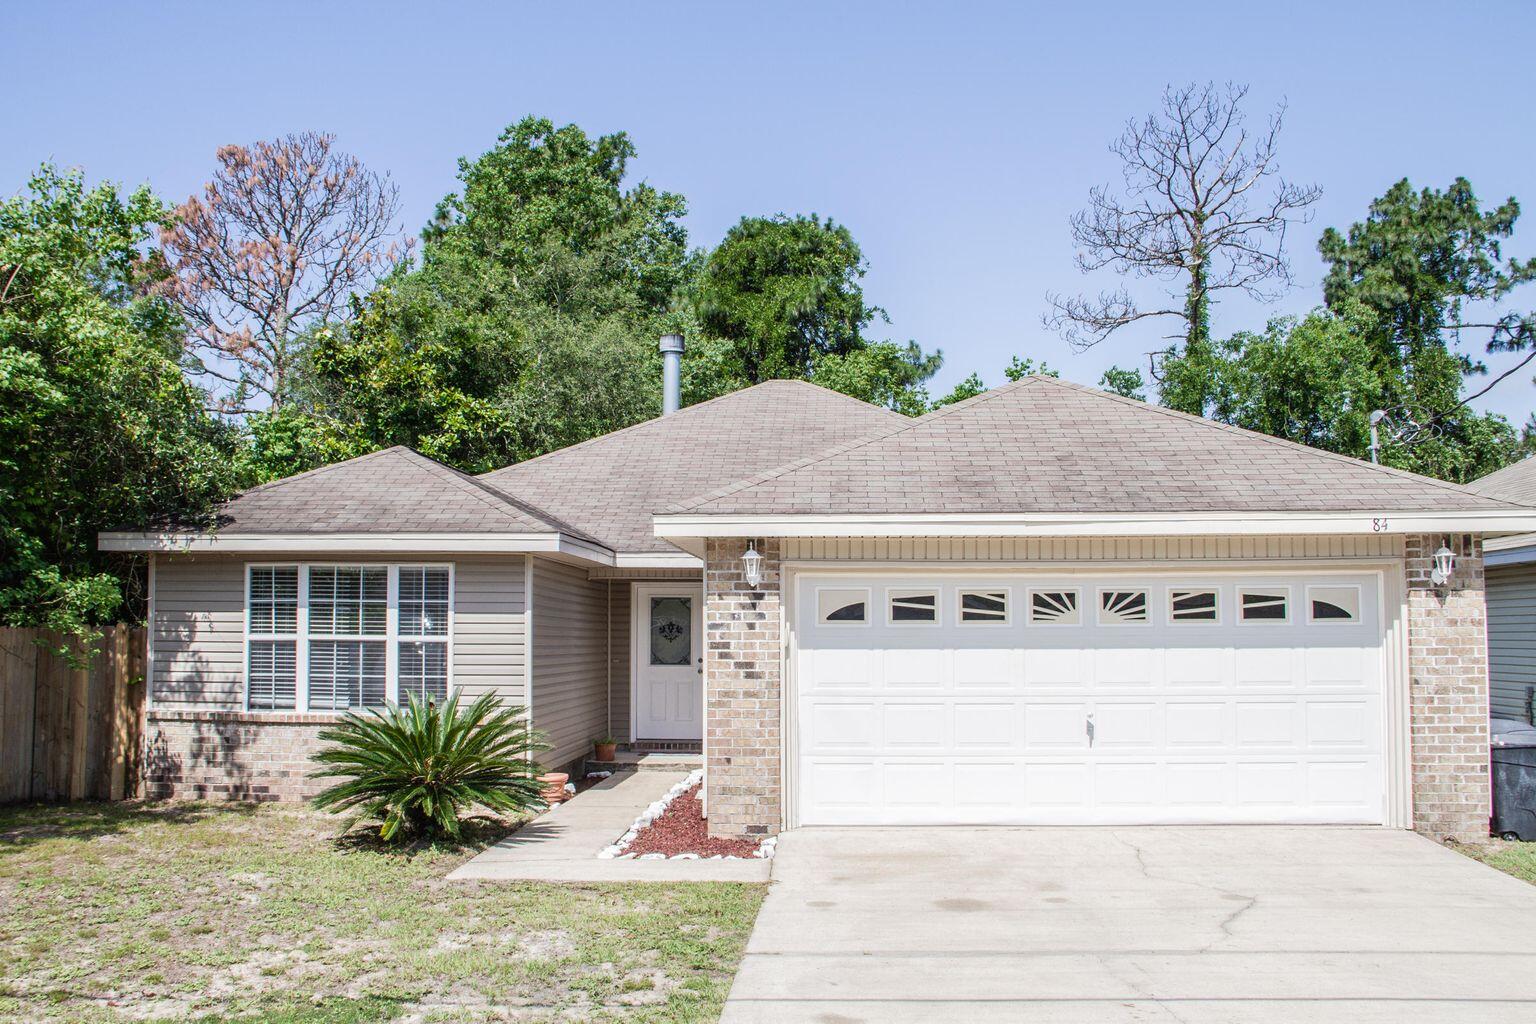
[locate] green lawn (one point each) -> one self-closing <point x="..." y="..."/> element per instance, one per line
<point x="1518" y="859"/>
<point x="206" y="912"/>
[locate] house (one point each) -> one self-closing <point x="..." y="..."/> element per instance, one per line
<point x="1511" y="571"/>
<point x="1045" y="605"/>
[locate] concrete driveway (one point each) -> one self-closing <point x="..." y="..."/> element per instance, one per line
<point x="1207" y="925"/>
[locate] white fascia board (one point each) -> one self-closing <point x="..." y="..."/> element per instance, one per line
<point x="657" y="560"/>
<point x="266" y="543"/>
<point x="676" y="527"/>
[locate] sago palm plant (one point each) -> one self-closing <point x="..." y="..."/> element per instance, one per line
<point x="413" y="768"/>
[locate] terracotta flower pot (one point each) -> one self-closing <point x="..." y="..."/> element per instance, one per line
<point x="554" y="787"/>
<point x="605" y="751"/>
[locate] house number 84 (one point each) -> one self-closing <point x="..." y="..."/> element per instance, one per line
<point x="1378" y="525"/>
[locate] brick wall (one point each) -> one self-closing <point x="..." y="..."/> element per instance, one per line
<point x="1448" y="690"/>
<point x="226" y="755"/>
<point x="742" y="670"/>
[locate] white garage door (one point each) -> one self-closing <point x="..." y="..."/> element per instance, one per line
<point x="1015" y="699"/>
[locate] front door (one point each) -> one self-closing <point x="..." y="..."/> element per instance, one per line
<point x="668" y="659"/>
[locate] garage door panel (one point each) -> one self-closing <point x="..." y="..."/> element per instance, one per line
<point x="1097" y="722"/>
<point x="911" y="726"/>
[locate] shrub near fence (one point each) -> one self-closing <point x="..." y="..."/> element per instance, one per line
<point x="70" y="729"/>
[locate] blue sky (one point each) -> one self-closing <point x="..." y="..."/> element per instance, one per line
<point x="953" y="139"/>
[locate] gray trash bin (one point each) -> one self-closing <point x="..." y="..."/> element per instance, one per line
<point x="1513" y="746"/>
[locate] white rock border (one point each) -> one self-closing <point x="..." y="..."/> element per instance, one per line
<point x="654" y="811"/>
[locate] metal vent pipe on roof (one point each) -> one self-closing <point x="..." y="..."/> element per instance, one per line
<point x="671" y="373"/>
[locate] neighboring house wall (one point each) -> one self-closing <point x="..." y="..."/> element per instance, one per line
<point x="200" y="741"/>
<point x="1448" y="691"/>
<point x="1512" y="638"/>
<point x="570" y="660"/>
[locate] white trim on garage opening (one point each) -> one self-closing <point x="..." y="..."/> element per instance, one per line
<point x="1391" y="596"/>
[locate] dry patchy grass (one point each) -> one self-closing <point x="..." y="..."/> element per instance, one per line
<point x="1512" y="858"/>
<point x="211" y="912"/>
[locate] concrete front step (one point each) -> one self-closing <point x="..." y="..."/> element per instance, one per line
<point x="629" y="761"/>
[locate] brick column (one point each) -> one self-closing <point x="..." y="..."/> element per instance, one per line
<point x="743" y="667"/>
<point x="1448" y="689"/>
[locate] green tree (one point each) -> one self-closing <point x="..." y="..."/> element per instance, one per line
<point x="1019" y="368"/>
<point x="1429" y="265"/>
<point x="970" y="387"/>
<point x="1125" y="382"/>
<point x="785" y="294"/>
<point x="881" y="373"/>
<point x="1315" y="380"/>
<point x="530" y="323"/>
<point x="98" y="427"/>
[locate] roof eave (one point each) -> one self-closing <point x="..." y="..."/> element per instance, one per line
<point x="551" y="543"/>
<point x="681" y="528"/>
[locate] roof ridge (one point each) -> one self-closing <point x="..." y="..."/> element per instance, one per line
<point x="317" y="470"/>
<point x="687" y="409"/>
<point x="492" y="496"/>
<point x="848" y="446"/>
<point x="1266" y="438"/>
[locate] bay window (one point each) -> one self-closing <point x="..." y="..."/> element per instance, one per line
<point x="337" y="637"/>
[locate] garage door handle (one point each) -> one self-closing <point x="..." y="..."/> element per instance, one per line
<point x="1088" y="727"/>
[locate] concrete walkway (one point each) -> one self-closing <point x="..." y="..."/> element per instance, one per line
<point x="1195" y="925"/>
<point x="562" y="845"/>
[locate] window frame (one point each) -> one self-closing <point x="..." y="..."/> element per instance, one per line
<point x="1029" y="608"/>
<point x="1184" y="622"/>
<point x="984" y="590"/>
<point x="891" y="593"/>
<point x="1355" y="620"/>
<point x="869" y="609"/>
<point x="1147" y="603"/>
<point x="391" y="637"/>
<point x="1261" y="588"/>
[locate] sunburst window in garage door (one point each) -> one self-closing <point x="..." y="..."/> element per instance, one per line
<point x="1333" y="604"/>
<point x="1192" y="606"/>
<point x="1122" y="607"/>
<point x="842" y="607"/>
<point x="1054" y="608"/>
<point x="913" y="606"/>
<point x="984" y="606"/>
<point x="1256" y="605"/>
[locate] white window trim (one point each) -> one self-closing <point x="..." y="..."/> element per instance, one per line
<point x="1290" y="604"/>
<point x="391" y="637"/>
<point x="1006" y="620"/>
<point x="1359" y="616"/>
<point x="891" y="593"/>
<point x="1188" y="621"/>
<point x="1148" y="603"/>
<point x="1029" y="608"/>
<point x="865" y="622"/>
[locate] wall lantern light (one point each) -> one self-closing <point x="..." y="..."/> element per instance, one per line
<point x="752" y="566"/>
<point x="1444" y="566"/>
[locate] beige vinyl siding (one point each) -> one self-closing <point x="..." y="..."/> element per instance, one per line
<point x="570" y="659"/>
<point x="199" y="626"/>
<point x="621" y="609"/>
<point x="1087" y="549"/>
<point x="1511" y="638"/>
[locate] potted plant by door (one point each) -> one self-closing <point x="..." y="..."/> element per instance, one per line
<point x="605" y="749"/>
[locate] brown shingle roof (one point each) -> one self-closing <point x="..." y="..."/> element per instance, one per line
<point x="1515" y="483"/>
<point x="612" y="484"/>
<point x="396" y="490"/>
<point x="1046" y="445"/>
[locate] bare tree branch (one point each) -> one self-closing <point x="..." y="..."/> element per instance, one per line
<point x="285" y="233"/>
<point x="1188" y="212"/>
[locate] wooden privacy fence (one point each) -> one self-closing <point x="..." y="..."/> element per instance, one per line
<point x="70" y="729"/>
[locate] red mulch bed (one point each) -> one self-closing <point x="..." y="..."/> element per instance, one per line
<point x="681" y="829"/>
